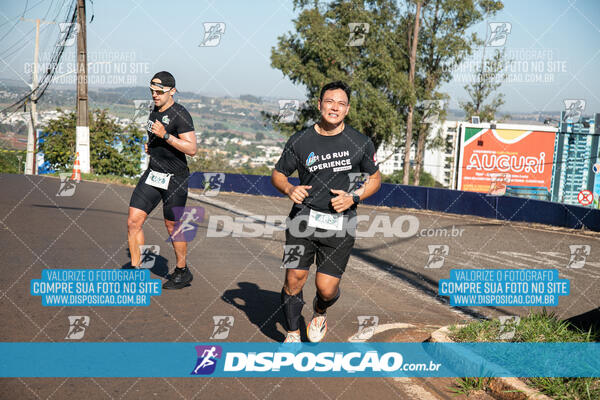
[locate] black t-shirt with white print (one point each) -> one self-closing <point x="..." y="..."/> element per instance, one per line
<point x="327" y="162"/>
<point x="164" y="157"/>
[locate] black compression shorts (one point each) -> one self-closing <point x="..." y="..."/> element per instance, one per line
<point x="332" y="252"/>
<point x="146" y="197"/>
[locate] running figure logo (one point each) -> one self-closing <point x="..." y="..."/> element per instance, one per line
<point x="207" y="359"/>
<point x="357" y="179"/>
<point x="499" y="32"/>
<point x="288" y="111"/>
<point x="508" y="326"/>
<point x="67" y="186"/>
<point x="213" y="181"/>
<point x="148" y="253"/>
<point x="366" y="327"/>
<point x="77" y="326"/>
<point x="437" y="255"/>
<point x="573" y="110"/>
<point x="223" y="324"/>
<point x="291" y="255"/>
<point x="358" y="33"/>
<point x="141" y="111"/>
<point x="579" y="253"/>
<point x="212" y="34"/>
<point x="188" y="220"/>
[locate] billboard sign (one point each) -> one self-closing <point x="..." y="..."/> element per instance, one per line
<point x="524" y="154"/>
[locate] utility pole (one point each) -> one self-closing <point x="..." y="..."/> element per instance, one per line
<point x="82" y="129"/>
<point x="30" y="167"/>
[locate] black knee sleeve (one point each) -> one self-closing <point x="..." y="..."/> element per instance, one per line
<point x="292" y="309"/>
<point x="323" y="305"/>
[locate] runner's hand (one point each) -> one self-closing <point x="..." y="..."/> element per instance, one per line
<point x="146" y="148"/>
<point x="298" y="193"/>
<point x="158" y="129"/>
<point x="342" y="201"/>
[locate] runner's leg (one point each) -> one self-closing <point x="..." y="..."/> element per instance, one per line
<point x="135" y="234"/>
<point x="179" y="247"/>
<point x="292" y="299"/>
<point x="328" y="291"/>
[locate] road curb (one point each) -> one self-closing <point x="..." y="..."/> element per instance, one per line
<point x="501" y="388"/>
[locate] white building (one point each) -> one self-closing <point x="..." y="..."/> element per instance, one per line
<point x="389" y="158"/>
<point x="437" y="161"/>
<point x="440" y="161"/>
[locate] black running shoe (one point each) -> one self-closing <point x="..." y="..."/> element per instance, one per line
<point x="179" y="278"/>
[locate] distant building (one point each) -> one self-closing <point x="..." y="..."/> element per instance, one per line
<point x="440" y="160"/>
<point x="437" y="161"/>
<point x="576" y="152"/>
<point x="389" y="158"/>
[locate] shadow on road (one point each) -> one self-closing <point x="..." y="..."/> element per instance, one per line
<point x="160" y="267"/>
<point x="263" y="307"/>
<point x="587" y="321"/>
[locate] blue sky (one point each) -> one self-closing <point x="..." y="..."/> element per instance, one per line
<point x="142" y="37"/>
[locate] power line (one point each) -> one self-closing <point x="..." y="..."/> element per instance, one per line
<point x="21" y="39"/>
<point x="37" y="92"/>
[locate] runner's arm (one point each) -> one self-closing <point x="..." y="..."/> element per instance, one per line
<point x="295" y="193"/>
<point x="370" y="187"/>
<point x="186" y="143"/>
<point x="344" y="201"/>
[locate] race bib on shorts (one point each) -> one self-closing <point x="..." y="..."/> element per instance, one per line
<point x="332" y="222"/>
<point x="158" y="179"/>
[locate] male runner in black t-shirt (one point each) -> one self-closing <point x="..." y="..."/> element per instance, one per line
<point x="324" y="155"/>
<point x="170" y="137"/>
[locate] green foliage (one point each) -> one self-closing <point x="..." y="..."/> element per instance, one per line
<point x="535" y="327"/>
<point x="218" y="163"/>
<point x="467" y="385"/>
<point x="113" y="150"/>
<point x="426" y="179"/>
<point x="489" y="77"/>
<point x="202" y="163"/>
<point x="12" y="161"/>
<point x="316" y="53"/>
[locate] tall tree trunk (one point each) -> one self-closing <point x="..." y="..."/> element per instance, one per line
<point x="411" y="87"/>
<point x="420" y="152"/>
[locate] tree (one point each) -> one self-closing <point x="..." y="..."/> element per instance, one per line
<point x="489" y="77"/>
<point x="444" y="43"/>
<point x="322" y="50"/>
<point x="414" y="39"/>
<point x="205" y="163"/>
<point x="113" y="149"/>
<point x="11" y="161"/>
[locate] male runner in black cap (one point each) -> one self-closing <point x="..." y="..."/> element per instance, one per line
<point x="170" y="137"/>
<point x="324" y="155"/>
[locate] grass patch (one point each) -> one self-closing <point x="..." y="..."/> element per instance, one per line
<point x="535" y="327"/>
<point x="465" y="386"/>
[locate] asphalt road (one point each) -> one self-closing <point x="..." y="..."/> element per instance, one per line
<point x="242" y="277"/>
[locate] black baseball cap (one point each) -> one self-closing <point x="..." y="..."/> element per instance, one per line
<point x="166" y="79"/>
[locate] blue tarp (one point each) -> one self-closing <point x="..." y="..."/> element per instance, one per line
<point x="435" y="199"/>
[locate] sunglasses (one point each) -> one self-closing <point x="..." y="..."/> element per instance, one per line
<point x="159" y="92"/>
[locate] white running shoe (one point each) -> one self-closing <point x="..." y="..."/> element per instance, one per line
<point x="292" y="337"/>
<point x="317" y="328"/>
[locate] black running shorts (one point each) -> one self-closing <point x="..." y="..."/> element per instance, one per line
<point x="146" y="197"/>
<point x="332" y="252"/>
